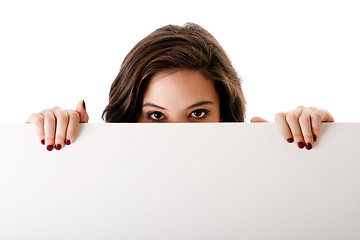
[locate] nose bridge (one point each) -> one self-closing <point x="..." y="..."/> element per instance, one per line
<point x="179" y="119"/>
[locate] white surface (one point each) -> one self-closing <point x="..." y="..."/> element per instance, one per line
<point x="288" y="53"/>
<point x="180" y="181"/>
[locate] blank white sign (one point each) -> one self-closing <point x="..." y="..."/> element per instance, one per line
<point x="180" y="181"/>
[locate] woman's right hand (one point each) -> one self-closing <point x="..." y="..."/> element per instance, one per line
<point x="57" y="127"/>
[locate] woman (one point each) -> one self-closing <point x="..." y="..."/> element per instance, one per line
<point x="176" y="74"/>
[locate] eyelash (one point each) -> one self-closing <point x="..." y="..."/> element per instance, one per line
<point x="156" y="121"/>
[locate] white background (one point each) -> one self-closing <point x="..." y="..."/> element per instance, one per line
<point x="288" y="53"/>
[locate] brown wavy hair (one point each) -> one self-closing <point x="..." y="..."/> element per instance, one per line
<point x="174" y="47"/>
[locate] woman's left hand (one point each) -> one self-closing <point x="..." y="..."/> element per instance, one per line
<point x="301" y="125"/>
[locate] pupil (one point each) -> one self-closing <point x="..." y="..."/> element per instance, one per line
<point x="157" y="115"/>
<point x="197" y="113"/>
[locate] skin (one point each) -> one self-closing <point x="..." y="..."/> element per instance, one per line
<point x="181" y="96"/>
<point x="174" y="97"/>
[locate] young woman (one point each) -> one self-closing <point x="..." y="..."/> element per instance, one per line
<point x="176" y="74"/>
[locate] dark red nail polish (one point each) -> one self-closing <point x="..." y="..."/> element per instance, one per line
<point x="290" y="140"/>
<point x="84" y="105"/>
<point x="67" y="142"/>
<point x="301" y="145"/>
<point x="308" y="146"/>
<point x="57" y="146"/>
<point x="43" y="142"/>
<point x="314" y="137"/>
<point x="50" y="147"/>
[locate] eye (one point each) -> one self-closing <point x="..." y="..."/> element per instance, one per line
<point x="156" y="116"/>
<point x="199" y="113"/>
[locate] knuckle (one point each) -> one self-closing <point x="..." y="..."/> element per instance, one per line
<point x="316" y="114"/>
<point x="63" y="118"/>
<point x="60" y="137"/>
<point x="38" y="119"/>
<point x="316" y="129"/>
<point x="49" y="139"/>
<point x="308" y="136"/>
<point x="291" y="117"/>
<point x="74" y="116"/>
<point x="49" y="120"/>
<point x="280" y="115"/>
<point x="304" y="120"/>
<point x="298" y="136"/>
<point x="46" y="111"/>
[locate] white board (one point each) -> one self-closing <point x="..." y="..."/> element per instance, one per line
<point x="180" y="181"/>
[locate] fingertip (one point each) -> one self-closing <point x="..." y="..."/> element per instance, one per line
<point x="301" y="145"/>
<point x="67" y="141"/>
<point x="58" y="146"/>
<point x="80" y="106"/>
<point x="258" y="120"/>
<point x="308" y="146"/>
<point x="81" y="109"/>
<point x="50" y="147"/>
<point x="314" y="137"/>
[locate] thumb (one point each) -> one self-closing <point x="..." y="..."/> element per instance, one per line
<point x="81" y="109"/>
<point x="258" y="120"/>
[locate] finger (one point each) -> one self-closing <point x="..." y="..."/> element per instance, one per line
<point x="81" y="108"/>
<point x="292" y="118"/>
<point x="62" y="120"/>
<point x="74" y="120"/>
<point x="306" y="127"/>
<point x="317" y="117"/>
<point x="324" y="115"/>
<point x="258" y="120"/>
<point x="49" y="128"/>
<point x="37" y="120"/>
<point x="283" y="127"/>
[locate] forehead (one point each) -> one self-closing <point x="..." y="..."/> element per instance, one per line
<point x="175" y="86"/>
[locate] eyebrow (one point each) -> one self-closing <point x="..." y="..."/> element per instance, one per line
<point x="149" y="104"/>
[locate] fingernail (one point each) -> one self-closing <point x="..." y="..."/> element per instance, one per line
<point x="50" y="147"/>
<point x="290" y="140"/>
<point x="57" y="146"/>
<point x="67" y="142"/>
<point x="43" y="142"/>
<point x="314" y="137"/>
<point x="84" y="105"/>
<point x="308" y="146"/>
<point x="301" y="145"/>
